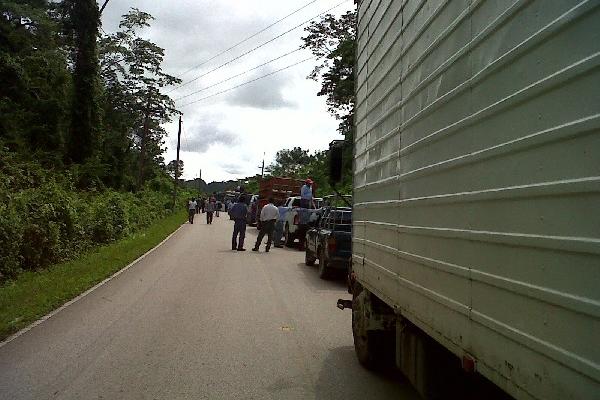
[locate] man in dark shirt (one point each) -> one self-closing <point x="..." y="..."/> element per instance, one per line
<point x="238" y="213"/>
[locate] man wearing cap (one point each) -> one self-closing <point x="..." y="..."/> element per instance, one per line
<point x="306" y="194"/>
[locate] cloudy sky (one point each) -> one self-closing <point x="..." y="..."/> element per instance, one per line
<point x="226" y="134"/>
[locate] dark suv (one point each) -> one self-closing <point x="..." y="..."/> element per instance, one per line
<point x="330" y="241"/>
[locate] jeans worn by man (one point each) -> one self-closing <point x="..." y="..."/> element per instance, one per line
<point x="268" y="215"/>
<point x="266" y="228"/>
<point x="278" y="234"/>
<point x="239" y="229"/>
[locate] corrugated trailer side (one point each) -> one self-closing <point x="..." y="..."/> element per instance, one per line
<point x="477" y="182"/>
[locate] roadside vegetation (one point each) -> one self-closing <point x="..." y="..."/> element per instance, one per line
<point x="35" y="293"/>
<point x="45" y="220"/>
<point x="82" y="173"/>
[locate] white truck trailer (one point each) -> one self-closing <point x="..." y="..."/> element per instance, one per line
<point x="477" y="191"/>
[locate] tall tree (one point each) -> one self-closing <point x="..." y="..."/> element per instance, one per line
<point x="34" y="93"/>
<point x="85" y="129"/>
<point x="171" y="168"/>
<point x="332" y="40"/>
<point x="135" y="108"/>
<point x="289" y="162"/>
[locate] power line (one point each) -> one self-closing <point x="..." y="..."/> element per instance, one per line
<point x="256" y="48"/>
<point x="247" y="82"/>
<point x="249" y="37"/>
<point x="240" y="74"/>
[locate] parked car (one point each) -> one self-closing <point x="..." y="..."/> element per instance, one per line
<point x="297" y="219"/>
<point x="330" y="241"/>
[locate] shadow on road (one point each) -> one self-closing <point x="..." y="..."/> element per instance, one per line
<point x="342" y="377"/>
<point x="311" y="277"/>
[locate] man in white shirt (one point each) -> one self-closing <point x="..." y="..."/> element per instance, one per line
<point x="268" y="216"/>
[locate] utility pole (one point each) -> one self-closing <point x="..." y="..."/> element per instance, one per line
<point x="177" y="165"/>
<point x="262" y="168"/>
<point x="200" y="182"/>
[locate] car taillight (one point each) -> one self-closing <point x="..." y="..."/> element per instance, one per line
<point x="331" y="245"/>
<point x="296" y="219"/>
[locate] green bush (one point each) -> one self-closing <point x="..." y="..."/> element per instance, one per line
<point x="10" y="238"/>
<point x="47" y="221"/>
<point x="50" y="225"/>
<point x="109" y="218"/>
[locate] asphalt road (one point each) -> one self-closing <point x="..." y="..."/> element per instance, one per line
<point x="194" y="320"/>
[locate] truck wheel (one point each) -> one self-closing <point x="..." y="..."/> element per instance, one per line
<point x="309" y="259"/>
<point x="373" y="348"/>
<point x="323" y="266"/>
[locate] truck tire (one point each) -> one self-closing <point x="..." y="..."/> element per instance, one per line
<point x="323" y="266"/>
<point x="375" y="350"/>
<point x="309" y="259"/>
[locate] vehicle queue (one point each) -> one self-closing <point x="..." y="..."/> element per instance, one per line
<point x="287" y="214"/>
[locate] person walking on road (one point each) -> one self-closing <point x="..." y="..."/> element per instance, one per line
<point x="191" y="210"/>
<point x="278" y="232"/>
<point x="238" y="213"/>
<point x="268" y="216"/>
<point x="209" y="208"/>
<point x="306" y="194"/>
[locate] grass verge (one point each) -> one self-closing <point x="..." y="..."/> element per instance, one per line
<point x="34" y="294"/>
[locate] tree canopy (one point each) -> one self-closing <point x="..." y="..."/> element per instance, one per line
<point x="82" y="101"/>
<point x="332" y="40"/>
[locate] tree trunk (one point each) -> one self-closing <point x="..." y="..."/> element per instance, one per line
<point x="85" y="119"/>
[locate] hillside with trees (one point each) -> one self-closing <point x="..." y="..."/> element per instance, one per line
<point x="81" y="137"/>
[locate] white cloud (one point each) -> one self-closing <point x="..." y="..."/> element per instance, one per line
<point x="266" y="93"/>
<point x="201" y="135"/>
<point x="226" y="135"/>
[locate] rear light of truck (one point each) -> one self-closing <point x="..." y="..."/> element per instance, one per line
<point x="331" y="245"/>
<point x="296" y="219"/>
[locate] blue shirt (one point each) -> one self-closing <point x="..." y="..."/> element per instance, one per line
<point x="282" y="211"/>
<point x="238" y="211"/>
<point x="306" y="192"/>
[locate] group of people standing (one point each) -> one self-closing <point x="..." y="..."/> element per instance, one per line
<point x="209" y="206"/>
<point x="269" y="217"/>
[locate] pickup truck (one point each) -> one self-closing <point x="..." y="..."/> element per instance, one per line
<point x="330" y="241"/>
<point x="276" y="187"/>
<point x="297" y="219"/>
<point x="252" y="207"/>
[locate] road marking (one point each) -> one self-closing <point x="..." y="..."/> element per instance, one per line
<point x="82" y="295"/>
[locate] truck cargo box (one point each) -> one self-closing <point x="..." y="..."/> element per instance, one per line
<point x="477" y="182"/>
